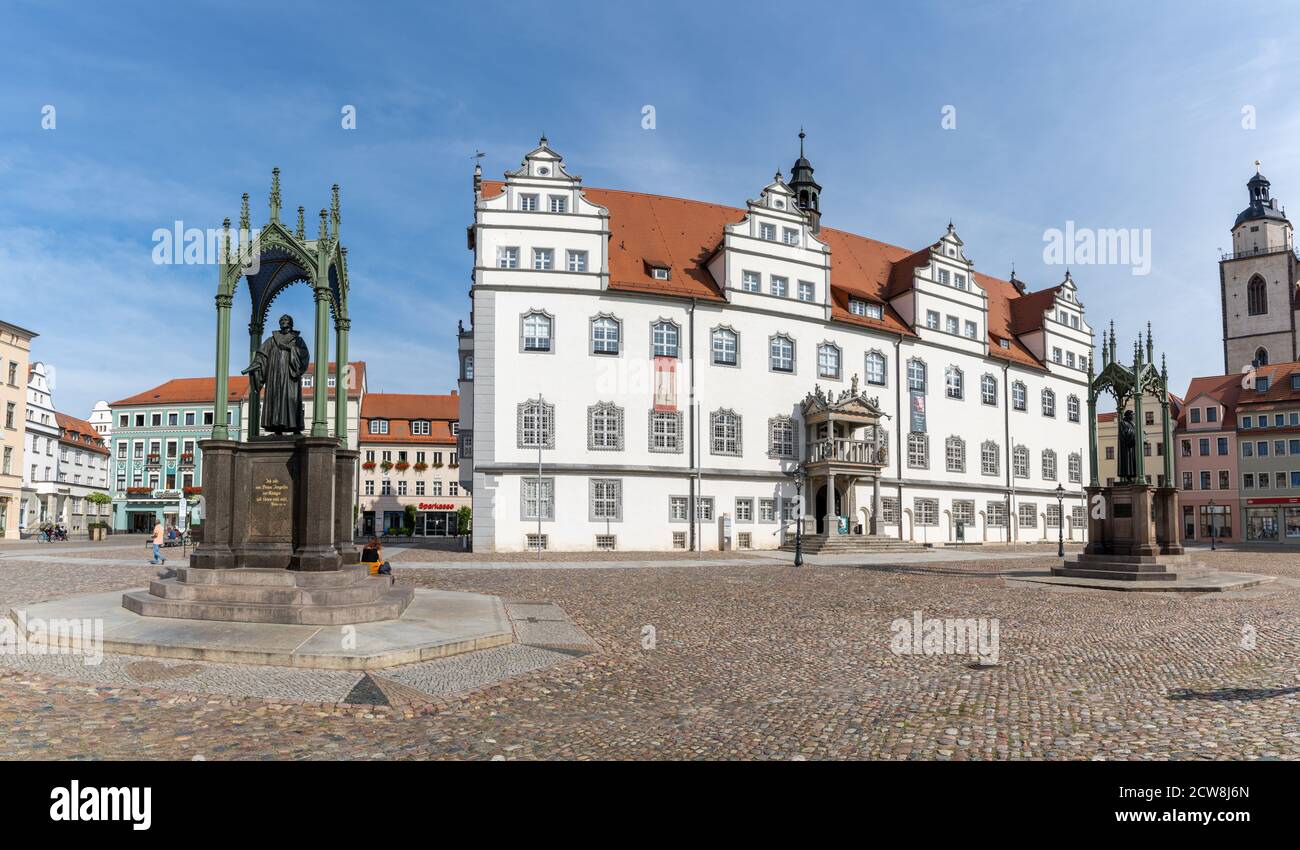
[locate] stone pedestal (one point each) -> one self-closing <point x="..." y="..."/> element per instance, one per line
<point x="1132" y="536"/>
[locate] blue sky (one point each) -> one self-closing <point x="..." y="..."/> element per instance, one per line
<point x="1111" y="115"/>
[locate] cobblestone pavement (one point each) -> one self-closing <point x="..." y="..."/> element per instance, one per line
<point x="748" y="660"/>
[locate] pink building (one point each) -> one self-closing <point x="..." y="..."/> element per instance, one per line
<point x="1205" y="459"/>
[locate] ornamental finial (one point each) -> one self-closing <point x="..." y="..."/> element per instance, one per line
<point x="334" y="211"/>
<point x="324" y="232"/>
<point x="275" y="195"/>
<point x="225" y="239"/>
<point x="302" y="225"/>
<point x="243" y="215"/>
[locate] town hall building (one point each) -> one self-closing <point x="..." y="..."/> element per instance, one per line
<point x="651" y="373"/>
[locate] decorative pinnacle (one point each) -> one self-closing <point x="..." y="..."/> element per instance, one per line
<point x="802" y="136"/>
<point x="225" y="239"/>
<point x="243" y="214"/>
<point x="1150" y="352"/>
<point x="302" y="228"/>
<point x="275" y="195"/>
<point x="324" y="233"/>
<point x="335" y="218"/>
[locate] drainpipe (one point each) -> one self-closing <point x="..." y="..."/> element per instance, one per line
<point x="1006" y="431"/>
<point x="695" y="466"/>
<point x="901" y="437"/>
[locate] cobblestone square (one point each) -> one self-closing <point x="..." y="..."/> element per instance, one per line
<point x="740" y="658"/>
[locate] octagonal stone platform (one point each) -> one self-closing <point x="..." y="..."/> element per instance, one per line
<point x="248" y="595"/>
<point x="435" y="624"/>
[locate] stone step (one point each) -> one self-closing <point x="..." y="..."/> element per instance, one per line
<point x="1115" y="575"/>
<point x="388" y="606"/>
<point x="360" y="592"/>
<point x="1119" y="566"/>
<point x="273" y="577"/>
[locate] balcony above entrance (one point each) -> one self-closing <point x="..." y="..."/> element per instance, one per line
<point x="843" y="432"/>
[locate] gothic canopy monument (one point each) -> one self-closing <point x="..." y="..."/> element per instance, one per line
<point x="277" y="533"/>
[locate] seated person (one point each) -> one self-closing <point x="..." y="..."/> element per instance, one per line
<point x="373" y="555"/>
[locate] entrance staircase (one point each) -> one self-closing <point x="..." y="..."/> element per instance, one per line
<point x="851" y="544"/>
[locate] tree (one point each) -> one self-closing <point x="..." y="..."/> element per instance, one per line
<point x="464" y="519"/>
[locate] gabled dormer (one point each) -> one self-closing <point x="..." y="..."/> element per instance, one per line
<point x="537" y="228"/>
<point x="1051" y="324"/>
<point x="771" y="259"/>
<point x="935" y="290"/>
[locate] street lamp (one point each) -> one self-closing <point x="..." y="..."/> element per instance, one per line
<point x="1060" y="521"/>
<point x="1212" y="518"/>
<point x="798" y="518"/>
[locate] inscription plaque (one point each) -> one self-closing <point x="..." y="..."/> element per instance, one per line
<point x="271" y="514"/>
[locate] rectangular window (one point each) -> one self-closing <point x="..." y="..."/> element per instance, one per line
<point x="767" y="510"/>
<point x="538" y="497"/>
<point x="932" y="319"/>
<point x="606" y="499"/>
<point x="971" y="331"/>
<point x="926" y="510"/>
<point x="704" y="509"/>
<point x="528" y="203"/>
<point x="744" y="510"/>
<point x="950" y="324"/>
<point x="996" y="513"/>
<point x="1028" y="514"/>
<point x="559" y="204"/>
<point x="780" y="286"/>
<point x="543" y="259"/>
<point x="767" y="231"/>
<point x="807" y="291"/>
<point x="577" y="261"/>
<point x="790" y="236"/>
<point x="665" y="432"/>
<point x="750" y="281"/>
<point x="679" y="508"/>
<point x="507" y="258"/>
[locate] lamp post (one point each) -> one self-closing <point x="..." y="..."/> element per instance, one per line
<point x="798" y="518"/>
<point x="1060" y="521"/>
<point x="1212" y="518"/>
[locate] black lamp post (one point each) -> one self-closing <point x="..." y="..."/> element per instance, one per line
<point x="1060" y="521"/>
<point x="798" y="518"/>
<point x="1212" y="518"/>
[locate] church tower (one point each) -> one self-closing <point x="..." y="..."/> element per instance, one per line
<point x="1258" y="284"/>
<point x="807" y="192"/>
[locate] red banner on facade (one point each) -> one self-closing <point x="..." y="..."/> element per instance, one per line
<point x="665" y="384"/>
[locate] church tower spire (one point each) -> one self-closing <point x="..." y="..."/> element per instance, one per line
<point x="806" y="190"/>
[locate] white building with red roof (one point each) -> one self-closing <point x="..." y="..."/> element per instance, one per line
<point x="410" y="460"/>
<point x="650" y="373"/>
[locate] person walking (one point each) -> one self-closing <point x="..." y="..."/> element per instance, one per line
<point x="158" y="536"/>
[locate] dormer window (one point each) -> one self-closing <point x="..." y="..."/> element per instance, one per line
<point x="559" y="204"/>
<point x="528" y="203"/>
<point x="661" y="273"/>
<point x="767" y="232"/>
<point x="379" y="426"/>
<point x="943" y="276"/>
<point x="857" y="307"/>
<point x="1261" y="384"/>
<point x="1004" y="343"/>
<point x="959" y="281"/>
<point x="306" y="383"/>
<point x="420" y="428"/>
<point x="790" y="236"/>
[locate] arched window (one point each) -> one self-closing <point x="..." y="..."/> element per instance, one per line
<point x="781" y="353"/>
<point x="1018" y="395"/>
<point x="1072" y="408"/>
<point x="605" y="334"/>
<point x="1075" y="467"/>
<point x="875" y="368"/>
<point x="916" y="375"/>
<point x="725" y="430"/>
<point x="725" y="347"/>
<point x="1049" y="403"/>
<point x="1261" y="357"/>
<point x="536" y="425"/>
<point x="955" y="383"/>
<point x="989" y="390"/>
<point x="780" y="437"/>
<point x="954" y="450"/>
<point x="663" y="338"/>
<point x="1256" y="297"/>
<point x="1049" y="465"/>
<point x="918" y="451"/>
<point x="828" y="361"/>
<point x="605" y="427"/>
<point x="1020" y="462"/>
<point x="989" y="458"/>
<point x="537" y="332"/>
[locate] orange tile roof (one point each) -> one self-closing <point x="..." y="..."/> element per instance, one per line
<point x="1225" y="389"/>
<point x="400" y="409"/>
<point x="1279" y="385"/>
<point x="685" y="234"/>
<point x="199" y="390"/>
<point x="76" y="429"/>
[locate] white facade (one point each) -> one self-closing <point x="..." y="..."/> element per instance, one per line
<point x="744" y="360"/>
<point x="102" y="418"/>
<point x="61" y="470"/>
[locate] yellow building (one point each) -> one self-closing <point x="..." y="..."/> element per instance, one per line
<point x="1153" y="439"/>
<point x="15" y="354"/>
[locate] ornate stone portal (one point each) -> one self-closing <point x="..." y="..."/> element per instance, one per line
<point x="277" y="533"/>
<point x="1132" y="524"/>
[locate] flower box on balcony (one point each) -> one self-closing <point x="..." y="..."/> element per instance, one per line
<point x="368" y="465"/>
<point x="187" y="459"/>
<point x="138" y="491"/>
<point x="153" y="458"/>
<point x="454" y="466"/>
<point x="386" y="465"/>
<point x="421" y="467"/>
<point x="193" y="491"/>
<point x="402" y="466"/>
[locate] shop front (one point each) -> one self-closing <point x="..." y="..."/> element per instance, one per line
<point x="432" y="519"/>
<point x="1275" y="520"/>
